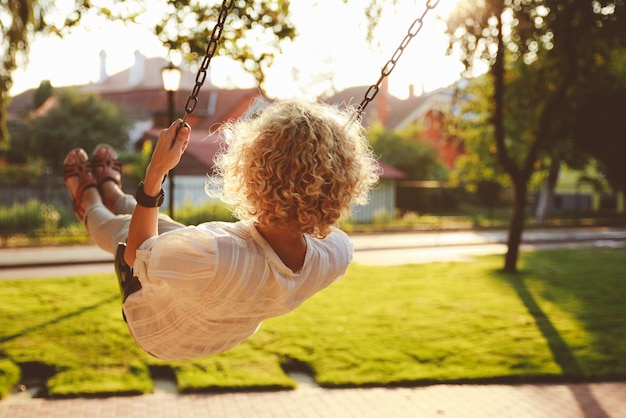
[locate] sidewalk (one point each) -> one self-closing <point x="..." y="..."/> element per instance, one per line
<point x="388" y="242"/>
<point x="597" y="400"/>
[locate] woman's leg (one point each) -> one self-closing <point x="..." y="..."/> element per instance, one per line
<point x="125" y="205"/>
<point x="106" y="229"/>
<point x="107" y="170"/>
<point x="88" y="205"/>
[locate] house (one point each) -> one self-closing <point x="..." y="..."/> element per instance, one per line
<point x="426" y="110"/>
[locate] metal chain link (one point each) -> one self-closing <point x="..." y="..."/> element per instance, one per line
<point x="192" y="100"/>
<point x="414" y="29"/>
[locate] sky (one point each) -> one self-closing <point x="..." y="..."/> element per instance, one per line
<point x="331" y="41"/>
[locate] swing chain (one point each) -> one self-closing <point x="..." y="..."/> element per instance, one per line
<point x="414" y="29"/>
<point x="192" y="100"/>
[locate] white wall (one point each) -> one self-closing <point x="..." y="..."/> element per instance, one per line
<point x="190" y="190"/>
<point x="382" y="201"/>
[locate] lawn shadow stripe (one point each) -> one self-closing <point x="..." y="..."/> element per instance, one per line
<point x="58" y="319"/>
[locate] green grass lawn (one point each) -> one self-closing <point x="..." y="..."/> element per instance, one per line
<point x="561" y="319"/>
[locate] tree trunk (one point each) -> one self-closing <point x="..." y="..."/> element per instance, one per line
<point x="546" y="196"/>
<point x="516" y="226"/>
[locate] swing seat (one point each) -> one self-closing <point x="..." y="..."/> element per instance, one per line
<point x="128" y="283"/>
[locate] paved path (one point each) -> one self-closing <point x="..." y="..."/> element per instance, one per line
<point x="387" y="248"/>
<point x="598" y="400"/>
<point x="595" y="400"/>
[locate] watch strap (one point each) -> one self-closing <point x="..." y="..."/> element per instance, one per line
<point x="148" y="201"/>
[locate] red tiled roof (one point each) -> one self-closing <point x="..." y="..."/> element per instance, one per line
<point x="354" y="96"/>
<point x="138" y="103"/>
<point x="198" y="158"/>
<point x="390" y="172"/>
<point x="214" y="107"/>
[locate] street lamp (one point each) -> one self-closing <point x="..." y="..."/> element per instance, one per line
<point x="171" y="82"/>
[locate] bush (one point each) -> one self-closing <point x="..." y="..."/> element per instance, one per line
<point x="212" y="211"/>
<point x="32" y="216"/>
<point x="21" y="174"/>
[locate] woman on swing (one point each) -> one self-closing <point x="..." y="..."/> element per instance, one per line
<point x="289" y="174"/>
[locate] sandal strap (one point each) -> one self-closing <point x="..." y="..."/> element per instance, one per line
<point x="107" y="164"/>
<point x="84" y="172"/>
<point x="76" y="169"/>
<point x="79" y="210"/>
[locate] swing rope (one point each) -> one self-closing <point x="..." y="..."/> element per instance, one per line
<point x="370" y="94"/>
<point x="414" y="29"/>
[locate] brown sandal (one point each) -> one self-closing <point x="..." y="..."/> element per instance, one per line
<point x="86" y="179"/>
<point x="105" y="157"/>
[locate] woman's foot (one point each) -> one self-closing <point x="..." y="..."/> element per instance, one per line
<point x="80" y="181"/>
<point x="108" y="172"/>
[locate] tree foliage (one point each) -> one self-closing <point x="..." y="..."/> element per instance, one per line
<point x="43" y="93"/>
<point x="599" y="123"/>
<point x="253" y="31"/>
<point x="77" y="120"/>
<point x="404" y="150"/>
<point x="601" y="132"/>
<point x="469" y="119"/>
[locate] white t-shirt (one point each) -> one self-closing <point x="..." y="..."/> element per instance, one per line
<point x="207" y="288"/>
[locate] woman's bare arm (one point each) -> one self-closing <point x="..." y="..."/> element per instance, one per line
<point x="166" y="155"/>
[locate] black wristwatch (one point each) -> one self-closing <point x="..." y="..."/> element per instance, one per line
<point x="149" y="201"/>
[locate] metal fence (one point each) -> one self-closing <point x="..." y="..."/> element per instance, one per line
<point x="437" y="197"/>
<point x="52" y="192"/>
<point x="420" y="197"/>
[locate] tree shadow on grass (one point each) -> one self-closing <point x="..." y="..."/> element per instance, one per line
<point x="561" y="352"/>
<point x="34" y="328"/>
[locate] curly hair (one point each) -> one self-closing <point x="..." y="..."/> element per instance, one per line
<point x="297" y="165"/>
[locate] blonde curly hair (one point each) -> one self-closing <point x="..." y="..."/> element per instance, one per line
<point x="296" y="165"/>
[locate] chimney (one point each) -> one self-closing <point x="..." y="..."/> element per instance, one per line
<point x="137" y="71"/>
<point x="103" y="67"/>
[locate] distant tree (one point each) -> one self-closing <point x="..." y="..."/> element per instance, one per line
<point x="43" y="93"/>
<point x="469" y="118"/>
<point x="77" y="120"/>
<point x="405" y="151"/>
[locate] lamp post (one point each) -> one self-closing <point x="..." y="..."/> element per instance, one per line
<point x="171" y="82"/>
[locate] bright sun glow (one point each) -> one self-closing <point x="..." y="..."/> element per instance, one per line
<point x="331" y="45"/>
